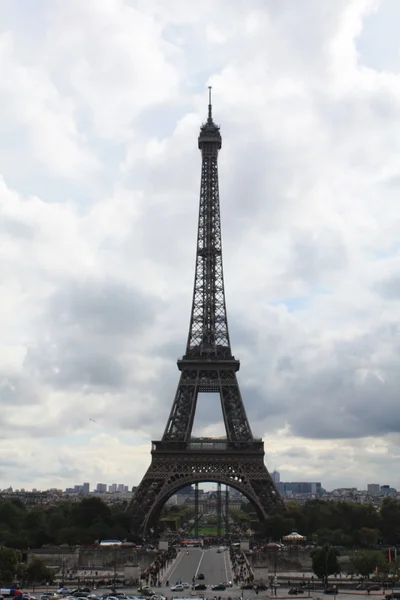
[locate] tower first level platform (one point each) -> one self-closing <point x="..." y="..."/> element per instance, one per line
<point x="174" y="465"/>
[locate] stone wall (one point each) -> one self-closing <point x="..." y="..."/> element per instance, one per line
<point x="93" y="557"/>
<point x="286" y="559"/>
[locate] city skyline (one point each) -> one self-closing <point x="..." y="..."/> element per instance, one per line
<point x="99" y="179"/>
<point x="373" y="489"/>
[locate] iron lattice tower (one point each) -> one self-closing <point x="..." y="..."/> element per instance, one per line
<point x="207" y="366"/>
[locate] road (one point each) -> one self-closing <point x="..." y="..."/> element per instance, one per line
<point x="215" y="566"/>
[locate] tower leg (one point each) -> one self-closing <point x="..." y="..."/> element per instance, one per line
<point x="219" y="511"/>
<point x="226" y="510"/>
<point x="196" y="510"/>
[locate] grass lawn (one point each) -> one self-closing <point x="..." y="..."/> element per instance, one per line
<point x="209" y="530"/>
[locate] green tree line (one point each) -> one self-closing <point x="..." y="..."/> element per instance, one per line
<point x="339" y="523"/>
<point x="332" y="523"/>
<point x="69" y="523"/>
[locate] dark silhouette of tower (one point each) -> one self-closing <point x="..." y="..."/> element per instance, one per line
<point x="207" y="366"/>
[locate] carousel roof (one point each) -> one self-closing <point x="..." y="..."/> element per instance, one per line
<point x="294" y="536"/>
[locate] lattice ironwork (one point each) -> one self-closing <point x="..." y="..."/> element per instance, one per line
<point x="242" y="470"/>
<point x="207" y="366"/>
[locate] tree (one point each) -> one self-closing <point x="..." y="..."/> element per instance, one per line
<point x="325" y="562"/>
<point x="9" y="559"/>
<point x="89" y="511"/>
<point x="368" y="536"/>
<point x="390" y="515"/>
<point x="278" y="526"/>
<point x="366" y="562"/>
<point x="38" y="572"/>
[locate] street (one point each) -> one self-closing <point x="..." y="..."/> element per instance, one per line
<point x="215" y="566"/>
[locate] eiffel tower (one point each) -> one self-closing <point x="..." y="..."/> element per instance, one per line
<point x="207" y="366"/>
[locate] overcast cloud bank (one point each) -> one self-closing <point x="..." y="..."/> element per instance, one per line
<point x="101" y="103"/>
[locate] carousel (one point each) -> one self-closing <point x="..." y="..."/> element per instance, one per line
<point x="294" y="538"/>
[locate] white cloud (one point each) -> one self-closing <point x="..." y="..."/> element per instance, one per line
<point x="43" y="119"/>
<point x="100" y="107"/>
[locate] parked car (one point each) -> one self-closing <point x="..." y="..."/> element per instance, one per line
<point x="64" y="590"/>
<point x="374" y="587"/>
<point x="200" y="586"/>
<point x="229" y="584"/>
<point x="331" y="590"/>
<point x="177" y="588"/>
<point x="200" y="576"/>
<point x="294" y="591"/>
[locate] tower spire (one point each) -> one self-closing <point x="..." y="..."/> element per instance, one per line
<point x="209" y="104"/>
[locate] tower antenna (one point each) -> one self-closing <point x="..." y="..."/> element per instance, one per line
<point x="209" y="103"/>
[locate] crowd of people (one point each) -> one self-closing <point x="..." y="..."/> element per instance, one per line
<point x="153" y="574"/>
<point x="240" y="567"/>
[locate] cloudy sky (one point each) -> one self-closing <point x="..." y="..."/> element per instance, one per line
<point x="100" y="107"/>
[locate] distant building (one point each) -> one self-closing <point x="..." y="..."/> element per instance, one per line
<point x="112" y="488"/>
<point x="373" y="489"/>
<point x="300" y="487"/>
<point x="86" y="488"/>
<point x="276" y="476"/>
<point x="101" y="488"/>
<point x="388" y="492"/>
<point x="120" y="487"/>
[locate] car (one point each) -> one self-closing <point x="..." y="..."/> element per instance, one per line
<point x="246" y="586"/>
<point x="229" y="584"/>
<point x="200" y="576"/>
<point x="331" y="590"/>
<point x="186" y="586"/>
<point x="294" y="591"/>
<point x="220" y="587"/>
<point x="177" y="588"/>
<point x="200" y="586"/>
<point x="374" y="587"/>
<point x="64" y="590"/>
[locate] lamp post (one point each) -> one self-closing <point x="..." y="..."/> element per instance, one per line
<point x="115" y="568"/>
<point x="326" y="564"/>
